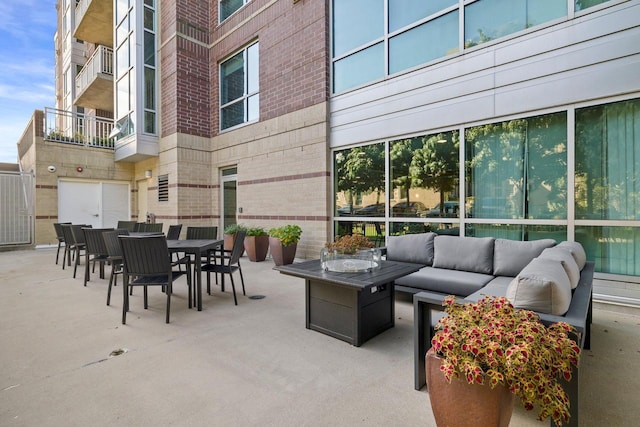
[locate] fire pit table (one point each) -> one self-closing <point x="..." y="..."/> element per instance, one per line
<point x="350" y="306"/>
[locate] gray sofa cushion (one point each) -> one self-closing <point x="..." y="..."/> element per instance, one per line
<point x="497" y="287"/>
<point x="577" y="251"/>
<point x="568" y="263"/>
<point x="511" y="256"/>
<point x="542" y="286"/>
<point x="445" y="281"/>
<point x="416" y="248"/>
<point x="474" y="254"/>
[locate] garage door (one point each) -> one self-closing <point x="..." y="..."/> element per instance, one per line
<point x="98" y="203"/>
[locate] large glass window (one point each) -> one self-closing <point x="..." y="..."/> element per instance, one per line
<point x="364" y="66"/>
<point x="360" y="191"/>
<point x="356" y="23"/>
<point x="487" y="20"/>
<point x="607" y="186"/>
<point x="360" y="181"/>
<point x="518" y="168"/>
<point x="405" y="12"/>
<point x="228" y="7"/>
<point x="608" y="161"/>
<point x="239" y="88"/>
<point x="149" y="57"/>
<point x="515" y="176"/>
<point x="425" y="176"/>
<point x="585" y="4"/>
<point x="431" y="40"/>
<point x="616" y="250"/>
<point x="517" y="231"/>
<point x="409" y="33"/>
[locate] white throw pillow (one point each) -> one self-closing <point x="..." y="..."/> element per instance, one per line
<point x="568" y="262"/>
<point x="542" y="286"/>
<point x="576" y="250"/>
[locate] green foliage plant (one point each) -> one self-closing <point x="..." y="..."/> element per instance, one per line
<point x="233" y="228"/>
<point x="349" y="244"/>
<point x="287" y="234"/>
<point x="256" y="231"/>
<point x="491" y="340"/>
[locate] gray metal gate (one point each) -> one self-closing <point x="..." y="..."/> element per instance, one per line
<point x="16" y="208"/>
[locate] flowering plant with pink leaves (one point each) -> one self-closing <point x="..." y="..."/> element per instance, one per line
<point x="491" y="340"/>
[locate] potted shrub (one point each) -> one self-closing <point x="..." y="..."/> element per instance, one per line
<point x="283" y="242"/>
<point x="349" y="244"/>
<point x="350" y="253"/>
<point x="492" y="346"/>
<point x="256" y="243"/>
<point x="230" y="232"/>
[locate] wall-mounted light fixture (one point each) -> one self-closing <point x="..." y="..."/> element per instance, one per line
<point x="147" y="174"/>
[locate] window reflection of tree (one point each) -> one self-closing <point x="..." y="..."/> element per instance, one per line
<point x="517" y="168"/>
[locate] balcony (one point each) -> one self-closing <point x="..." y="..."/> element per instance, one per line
<point x="77" y="129"/>
<point x="94" y="21"/>
<point x="94" y="83"/>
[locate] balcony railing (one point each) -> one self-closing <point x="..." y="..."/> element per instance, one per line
<point x="81" y="9"/>
<point x="101" y="62"/>
<point x="77" y="129"/>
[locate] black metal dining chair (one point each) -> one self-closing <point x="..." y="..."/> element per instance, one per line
<point x="174" y="232"/>
<point x="95" y="251"/>
<point x="147" y="263"/>
<point x="227" y="265"/>
<point x="60" y="236"/>
<point x="79" y="244"/>
<point x="69" y="249"/>
<point x="114" y="251"/>
<point x="146" y="228"/>
<point x="127" y="225"/>
<point x="202" y="233"/>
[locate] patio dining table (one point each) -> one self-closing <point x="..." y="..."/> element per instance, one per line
<point x="196" y="247"/>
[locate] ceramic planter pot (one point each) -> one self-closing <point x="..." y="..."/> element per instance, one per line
<point x="256" y="247"/>
<point x="282" y="255"/>
<point x="464" y="404"/>
<point x="229" y="239"/>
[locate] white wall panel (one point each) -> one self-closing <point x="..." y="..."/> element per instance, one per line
<point x="597" y="81"/>
<point x="594" y="56"/>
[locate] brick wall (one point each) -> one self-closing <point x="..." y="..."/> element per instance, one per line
<point x="282" y="160"/>
<point x="184" y="73"/>
<point x="293" y="53"/>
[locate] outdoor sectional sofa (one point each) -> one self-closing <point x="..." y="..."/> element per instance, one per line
<point x="552" y="279"/>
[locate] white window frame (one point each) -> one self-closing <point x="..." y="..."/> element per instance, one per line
<point x="246" y="94"/>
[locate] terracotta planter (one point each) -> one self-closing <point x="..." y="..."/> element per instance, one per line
<point x="256" y="247"/>
<point x="464" y="404"/>
<point x="282" y="255"/>
<point x="229" y="239"/>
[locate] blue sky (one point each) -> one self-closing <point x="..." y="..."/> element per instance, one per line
<point x="27" y="72"/>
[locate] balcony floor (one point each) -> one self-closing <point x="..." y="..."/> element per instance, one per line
<point x="245" y="365"/>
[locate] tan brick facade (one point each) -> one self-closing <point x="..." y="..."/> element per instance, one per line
<point x="282" y="159"/>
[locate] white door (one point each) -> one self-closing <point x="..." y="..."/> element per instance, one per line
<point x="100" y="204"/>
<point x="115" y="203"/>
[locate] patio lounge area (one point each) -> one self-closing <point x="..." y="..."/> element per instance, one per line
<point x="66" y="359"/>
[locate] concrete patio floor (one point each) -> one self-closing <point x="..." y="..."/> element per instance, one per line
<point x="246" y="365"/>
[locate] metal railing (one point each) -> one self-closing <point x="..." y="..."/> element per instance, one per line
<point x="78" y="129"/>
<point x="100" y="62"/>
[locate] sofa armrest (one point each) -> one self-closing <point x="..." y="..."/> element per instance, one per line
<point x="580" y="311"/>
